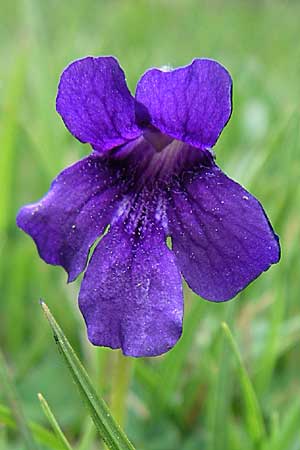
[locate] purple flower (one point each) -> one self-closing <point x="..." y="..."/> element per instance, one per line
<point x="151" y="175"/>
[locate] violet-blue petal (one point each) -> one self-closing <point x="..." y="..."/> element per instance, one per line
<point x="131" y="295"/>
<point x="73" y="214"/>
<point x="191" y="104"/>
<point x="95" y="103"/>
<point x="221" y="236"/>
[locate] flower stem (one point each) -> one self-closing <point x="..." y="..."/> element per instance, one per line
<point x="121" y="377"/>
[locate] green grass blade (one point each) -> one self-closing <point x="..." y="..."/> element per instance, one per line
<point x="288" y="430"/>
<point x="220" y="402"/>
<point x="54" y="424"/>
<point x="12" y="397"/>
<point x="40" y="433"/>
<point x="255" y="422"/>
<point x="87" y="436"/>
<point x="109" y="430"/>
<point x="175" y="360"/>
<point x="8" y="136"/>
<point x="221" y="389"/>
<point x="270" y="352"/>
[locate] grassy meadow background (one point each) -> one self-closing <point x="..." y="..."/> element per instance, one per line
<point x="196" y="397"/>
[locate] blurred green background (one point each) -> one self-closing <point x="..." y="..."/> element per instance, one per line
<point x="195" y="397"/>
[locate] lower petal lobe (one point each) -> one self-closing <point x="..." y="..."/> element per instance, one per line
<point x="131" y="295"/>
<point x="221" y="235"/>
<point x="73" y="214"/>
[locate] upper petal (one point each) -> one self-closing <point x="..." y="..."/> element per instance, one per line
<point x="131" y="295"/>
<point x="75" y="211"/>
<point x="191" y="104"/>
<point x="95" y="103"/>
<point x="221" y="236"/>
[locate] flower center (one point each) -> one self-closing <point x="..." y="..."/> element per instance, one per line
<point x="158" y="140"/>
<point x="151" y="165"/>
<point x="155" y="158"/>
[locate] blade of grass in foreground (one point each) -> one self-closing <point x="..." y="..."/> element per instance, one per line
<point x="54" y="424"/>
<point x="40" y="433"/>
<point x="109" y="430"/>
<point x="12" y="397"/>
<point x="13" y="94"/>
<point x="288" y="431"/>
<point x="174" y="361"/>
<point x="256" y="427"/>
<point x="218" y="422"/>
<point x="272" y="341"/>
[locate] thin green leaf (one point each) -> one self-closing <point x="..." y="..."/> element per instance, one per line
<point x="270" y="352"/>
<point x="221" y="388"/>
<point x="274" y="425"/>
<point x="175" y="360"/>
<point x="53" y="422"/>
<point x="109" y="430"/>
<point x="288" y="431"/>
<point x="254" y="416"/>
<point x="258" y="166"/>
<point x="219" y="404"/>
<point x="13" y="400"/>
<point x="87" y="436"/>
<point x="40" y="433"/>
<point x="13" y="91"/>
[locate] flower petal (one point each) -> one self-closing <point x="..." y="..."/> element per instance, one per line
<point x="75" y="211"/>
<point x="191" y="104"/>
<point x="221" y="236"/>
<point x="131" y="295"/>
<point x="95" y="103"/>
